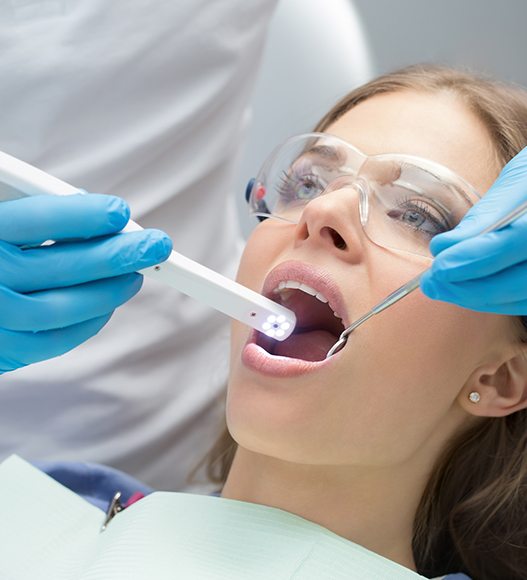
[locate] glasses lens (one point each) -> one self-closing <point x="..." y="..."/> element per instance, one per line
<point x="298" y="172"/>
<point x="408" y="205"/>
<point x="405" y="201"/>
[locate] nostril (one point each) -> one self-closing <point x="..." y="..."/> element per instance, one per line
<point x="338" y="240"/>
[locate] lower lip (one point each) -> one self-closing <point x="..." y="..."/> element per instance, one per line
<point x="258" y="359"/>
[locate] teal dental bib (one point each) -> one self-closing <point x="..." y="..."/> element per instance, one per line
<point x="50" y="533"/>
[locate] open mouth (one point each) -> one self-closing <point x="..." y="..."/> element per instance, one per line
<point x="317" y="304"/>
<point x="317" y="328"/>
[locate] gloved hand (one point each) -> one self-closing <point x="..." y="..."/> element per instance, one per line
<point x="487" y="273"/>
<point x="53" y="298"/>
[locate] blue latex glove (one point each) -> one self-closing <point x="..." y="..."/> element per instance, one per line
<point x="53" y="298"/>
<point x="489" y="272"/>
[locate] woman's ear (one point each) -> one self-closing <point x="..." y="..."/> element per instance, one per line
<point x="501" y="388"/>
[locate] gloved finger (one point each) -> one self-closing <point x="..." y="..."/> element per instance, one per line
<point x="483" y="255"/>
<point x="501" y="293"/>
<point x="19" y="349"/>
<point x="33" y="220"/>
<point x="507" y="192"/>
<point x="72" y="263"/>
<point x="65" y="306"/>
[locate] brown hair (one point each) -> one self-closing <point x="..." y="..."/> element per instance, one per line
<point x="472" y="517"/>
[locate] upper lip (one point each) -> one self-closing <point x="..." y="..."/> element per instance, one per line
<point x="313" y="276"/>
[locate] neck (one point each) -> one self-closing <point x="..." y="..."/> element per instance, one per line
<point x="373" y="507"/>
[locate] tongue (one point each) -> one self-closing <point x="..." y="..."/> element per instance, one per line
<point x="311" y="345"/>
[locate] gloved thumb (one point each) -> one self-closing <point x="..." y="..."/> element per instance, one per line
<point x="507" y="192"/>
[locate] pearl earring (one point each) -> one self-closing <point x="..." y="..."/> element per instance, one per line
<point x="474" y="397"/>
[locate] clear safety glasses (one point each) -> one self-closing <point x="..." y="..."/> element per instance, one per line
<point x="403" y="201"/>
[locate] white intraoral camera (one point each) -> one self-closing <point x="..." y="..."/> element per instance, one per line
<point x="19" y="179"/>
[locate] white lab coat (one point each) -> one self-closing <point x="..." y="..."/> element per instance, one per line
<point x="146" y="100"/>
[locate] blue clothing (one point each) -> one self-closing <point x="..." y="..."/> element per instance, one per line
<point x="97" y="484"/>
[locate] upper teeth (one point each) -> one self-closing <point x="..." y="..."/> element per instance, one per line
<point x="305" y="288"/>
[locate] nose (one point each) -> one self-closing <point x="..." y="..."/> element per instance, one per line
<point x="332" y="222"/>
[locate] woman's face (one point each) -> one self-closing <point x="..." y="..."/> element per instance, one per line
<point x="394" y="390"/>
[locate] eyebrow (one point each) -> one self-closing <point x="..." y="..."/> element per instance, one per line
<point x="451" y="184"/>
<point x="326" y="152"/>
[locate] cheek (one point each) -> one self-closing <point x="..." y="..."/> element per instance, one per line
<point x="425" y="338"/>
<point x="420" y="346"/>
<point x="260" y="253"/>
<point x="404" y="370"/>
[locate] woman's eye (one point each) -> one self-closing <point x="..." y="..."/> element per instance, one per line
<point x="300" y="187"/>
<point x="419" y="215"/>
<point x="414" y="218"/>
